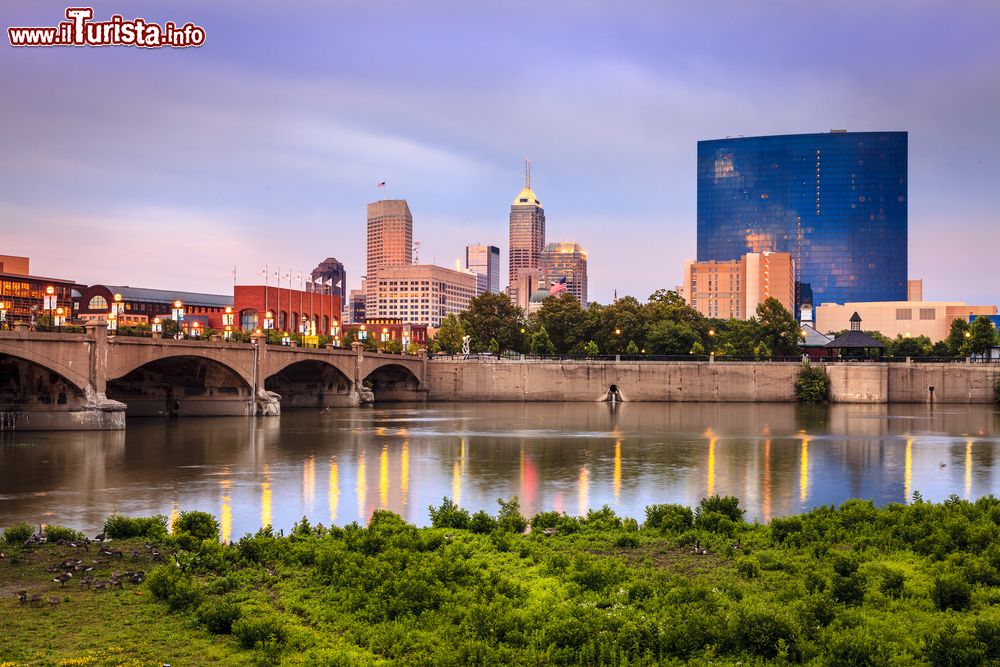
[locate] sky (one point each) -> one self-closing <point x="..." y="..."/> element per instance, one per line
<point x="166" y="168"/>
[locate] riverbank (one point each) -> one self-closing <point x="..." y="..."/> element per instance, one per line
<point x="904" y="584"/>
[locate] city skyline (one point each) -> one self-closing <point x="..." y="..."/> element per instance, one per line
<point x="271" y="159"/>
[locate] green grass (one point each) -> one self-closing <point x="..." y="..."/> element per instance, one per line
<point x="819" y="589"/>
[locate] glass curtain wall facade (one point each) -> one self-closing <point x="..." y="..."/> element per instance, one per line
<point x="837" y="202"/>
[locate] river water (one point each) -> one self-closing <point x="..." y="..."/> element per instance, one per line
<point x="339" y="465"/>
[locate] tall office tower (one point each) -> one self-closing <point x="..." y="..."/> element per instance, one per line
<point x="836" y="202"/>
<point x="422" y="293"/>
<point x="566" y="264"/>
<point x="527" y="233"/>
<point x="732" y="289"/>
<point x="329" y="277"/>
<point x="484" y="261"/>
<point x="355" y="310"/>
<point x="390" y="241"/>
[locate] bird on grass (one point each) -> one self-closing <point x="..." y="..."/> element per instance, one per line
<point x="63" y="578"/>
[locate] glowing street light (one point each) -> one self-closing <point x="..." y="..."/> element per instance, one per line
<point x="268" y="320"/>
<point x="335" y="329"/>
<point x="157" y="325"/>
<point x="112" y="322"/>
<point x="50" y="302"/>
<point x="177" y="314"/>
<point x="195" y="329"/>
<point x="385" y="334"/>
<point x="4" y="305"/>
<point x="59" y="317"/>
<point x="119" y="308"/>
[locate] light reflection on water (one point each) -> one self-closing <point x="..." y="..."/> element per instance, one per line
<point x="341" y="465"/>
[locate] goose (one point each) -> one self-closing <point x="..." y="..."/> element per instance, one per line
<point x="63" y="578"/>
<point x="100" y="537"/>
<point x="53" y="601"/>
<point x="22" y="597"/>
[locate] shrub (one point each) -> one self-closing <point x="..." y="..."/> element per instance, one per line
<point x="950" y="647"/>
<point x="849" y="589"/>
<point x="200" y="525"/>
<point x="762" y="631"/>
<point x="892" y="583"/>
<point x="18" y="534"/>
<point x="122" y="527"/>
<point x="748" y="567"/>
<point x="812" y="385"/>
<point x="449" y="515"/>
<point x="627" y="541"/>
<point x="951" y="591"/>
<point x="669" y="518"/>
<point x="510" y="518"/>
<point x="174" y="587"/>
<point x="857" y="647"/>
<point x="59" y="533"/>
<point x="259" y="629"/>
<point x="218" y="616"/>
<point x="482" y="523"/>
<point x="727" y="506"/>
<point x="784" y="527"/>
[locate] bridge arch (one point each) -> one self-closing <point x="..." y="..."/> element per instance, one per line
<point x="76" y="379"/>
<point x="311" y="383"/>
<point x="394" y="381"/>
<point x="181" y="385"/>
<point x="27" y="382"/>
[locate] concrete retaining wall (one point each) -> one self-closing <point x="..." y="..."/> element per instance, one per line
<point x="481" y="380"/>
<point x="590" y="381"/>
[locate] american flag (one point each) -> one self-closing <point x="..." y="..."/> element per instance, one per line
<point x="558" y="287"/>
<point x="380" y="184"/>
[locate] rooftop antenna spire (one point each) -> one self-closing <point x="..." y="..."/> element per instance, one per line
<point x="527" y="173"/>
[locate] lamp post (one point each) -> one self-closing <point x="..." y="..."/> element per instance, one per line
<point x="334" y="328"/>
<point x="195" y="329"/>
<point x="59" y="318"/>
<point x="112" y="323"/>
<point x="119" y="308"/>
<point x="363" y="333"/>
<point x="178" y="316"/>
<point x="227" y="322"/>
<point x="3" y="313"/>
<point x="269" y="319"/>
<point x="711" y="344"/>
<point x="50" y="303"/>
<point x="157" y="326"/>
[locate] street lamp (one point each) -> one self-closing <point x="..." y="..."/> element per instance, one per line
<point x="112" y="322"/>
<point x="385" y="334"/>
<point x="268" y="320"/>
<point x="195" y="328"/>
<point x="227" y="317"/>
<point x="178" y="316"/>
<point x="4" y="305"/>
<point x="59" y="317"/>
<point x="363" y="333"/>
<point x="157" y="325"/>
<point x="50" y="303"/>
<point x="286" y="340"/>
<point x="335" y="329"/>
<point x="119" y="308"/>
<point x="303" y="326"/>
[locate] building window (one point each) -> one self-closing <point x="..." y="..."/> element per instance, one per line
<point x="928" y="314"/>
<point x="904" y="313"/>
<point x="98" y="303"/>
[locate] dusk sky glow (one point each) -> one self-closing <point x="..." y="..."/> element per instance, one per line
<point x="165" y="168"/>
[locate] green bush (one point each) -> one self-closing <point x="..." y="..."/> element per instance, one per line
<point x="123" y="527"/>
<point x="763" y="631"/>
<point x="669" y="518"/>
<point x="727" y="506"/>
<point x="892" y="583"/>
<point x="59" y="533"/>
<point x="812" y="385"/>
<point x="18" y="534"/>
<point x="482" y="523"/>
<point x="748" y="567"/>
<point x="174" y="587"/>
<point x="857" y="647"/>
<point x="200" y="525"/>
<point x="951" y="647"/>
<point x="951" y="591"/>
<point x="449" y="515"/>
<point x="255" y="629"/>
<point x="627" y="541"/>
<point x="510" y="518"/>
<point x="218" y="616"/>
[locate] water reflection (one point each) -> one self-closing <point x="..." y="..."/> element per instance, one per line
<point x="778" y="459"/>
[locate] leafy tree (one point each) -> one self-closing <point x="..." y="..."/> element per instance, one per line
<point x="761" y="350"/>
<point x="493" y="316"/>
<point x="564" y="320"/>
<point x="956" y="336"/>
<point x="812" y="384"/>
<point x="393" y="347"/>
<point x="670" y="337"/>
<point x="591" y="349"/>
<point x="494" y="347"/>
<point x="541" y="344"/>
<point x="449" y="334"/>
<point x="910" y="346"/>
<point x="626" y="316"/>
<point x="632" y="348"/>
<point x="778" y="328"/>
<point x="697" y="348"/>
<point x="982" y="338"/>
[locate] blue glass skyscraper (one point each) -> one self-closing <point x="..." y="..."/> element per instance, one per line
<point x="836" y="201"/>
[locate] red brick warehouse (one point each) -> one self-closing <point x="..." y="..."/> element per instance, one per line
<point x="288" y="307"/>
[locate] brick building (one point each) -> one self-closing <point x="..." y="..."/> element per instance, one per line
<point x="288" y="308"/>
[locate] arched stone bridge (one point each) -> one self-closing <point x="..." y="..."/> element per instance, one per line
<point x="90" y="380"/>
